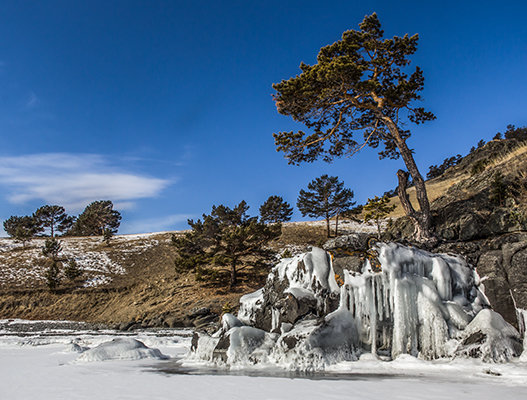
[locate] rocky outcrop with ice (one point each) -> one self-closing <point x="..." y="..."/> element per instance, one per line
<point x="418" y="303"/>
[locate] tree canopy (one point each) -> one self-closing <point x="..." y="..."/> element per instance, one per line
<point x="326" y="197"/>
<point x="361" y="83"/>
<point x="21" y="228"/>
<point x="96" y="218"/>
<point x="275" y="210"/>
<point x="226" y="237"/>
<point x="54" y="218"/>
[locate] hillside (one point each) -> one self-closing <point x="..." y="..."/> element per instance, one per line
<point x="459" y="182"/>
<point x="132" y="282"/>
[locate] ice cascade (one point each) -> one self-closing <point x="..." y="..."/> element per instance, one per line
<point x="419" y="303"/>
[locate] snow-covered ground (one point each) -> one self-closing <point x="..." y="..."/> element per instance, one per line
<point x="24" y="265"/>
<point x="45" y="365"/>
<point x="345" y="225"/>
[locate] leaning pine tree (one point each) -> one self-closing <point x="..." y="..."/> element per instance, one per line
<point x="360" y="83"/>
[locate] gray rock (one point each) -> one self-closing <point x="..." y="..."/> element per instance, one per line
<point x="353" y="241"/>
<point x="198" y="312"/>
<point x="469" y="227"/>
<point x="497" y="286"/>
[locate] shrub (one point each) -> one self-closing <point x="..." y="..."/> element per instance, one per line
<point x="479" y="166"/>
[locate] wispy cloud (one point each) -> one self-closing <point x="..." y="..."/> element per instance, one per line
<point x="165" y="223"/>
<point x="32" y="100"/>
<point x="73" y="180"/>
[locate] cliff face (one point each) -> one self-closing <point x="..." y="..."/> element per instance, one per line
<point x="482" y="215"/>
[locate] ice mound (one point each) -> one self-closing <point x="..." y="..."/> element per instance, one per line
<point x="418" y="303"/>
<point x="76" y="348"/>
<point x="490" y="337"/>
<point x="120" y="349"/>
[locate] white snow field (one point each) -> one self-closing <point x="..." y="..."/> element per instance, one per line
<point x="47" y="365"/>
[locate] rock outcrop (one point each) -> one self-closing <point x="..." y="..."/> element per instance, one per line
<point x="415" y="302"/>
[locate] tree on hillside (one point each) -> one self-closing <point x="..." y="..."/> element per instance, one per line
<point x="377" y="209"/>
<point x="51" y="250"/>
<point x="95" y="219"/>
<point x="435" y="171"/>
<point x="516" y="133"/>
<point x="227" y="237"/>
<point x="359" y="83"/>
<point x="21" y="229"/>
<point x="326" y="197"/>
<point x="54" y="218"/>
<point x="275" y="210"/>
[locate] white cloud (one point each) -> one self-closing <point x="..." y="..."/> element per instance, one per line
<point x="73" y="180"/>
<point x="165" y="223"/>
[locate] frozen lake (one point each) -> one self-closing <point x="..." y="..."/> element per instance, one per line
<point x="41" y="364"/>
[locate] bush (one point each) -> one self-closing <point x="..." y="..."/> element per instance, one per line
<point x="498" y="190"/>
<point x="479" y="166"/>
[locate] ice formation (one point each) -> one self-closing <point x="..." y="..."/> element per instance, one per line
<point x="422" y="304"/>
<point x="120" y="349"/>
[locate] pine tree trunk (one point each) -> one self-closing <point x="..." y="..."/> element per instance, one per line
<point x="423" y="218"/>
<point x="234" y="274"/>
<point x="327" y="226"/>
<point x="337" y="225"/>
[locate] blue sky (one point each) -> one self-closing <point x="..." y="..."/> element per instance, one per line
<point x="165" y="107"/>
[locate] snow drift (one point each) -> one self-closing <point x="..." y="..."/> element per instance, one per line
<point x="120" y="349"/>
<point x="422" y="304"/>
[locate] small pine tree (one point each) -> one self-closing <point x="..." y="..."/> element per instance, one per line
<point x="376" y="209"/>
<point x="275" y="210"/>
<point x="498" y="189"/>
<point x="436" y="171"/>
<point x="516" y="133"/>
<point x="52" y="248"/>
<point x="53" y="275"/>
<point x="481" y="143"/>
<point x="498" y="136"/>
<point x="326" y="197"/>
<point x="72" y="270"/>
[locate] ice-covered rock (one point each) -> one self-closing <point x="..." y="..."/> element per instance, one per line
<point x="120" y="349"/>
<point x="296" y="287"/>
<point x="419" y="303"/>
<point x="229" y="321"/>
<point x="491" y="338"/>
